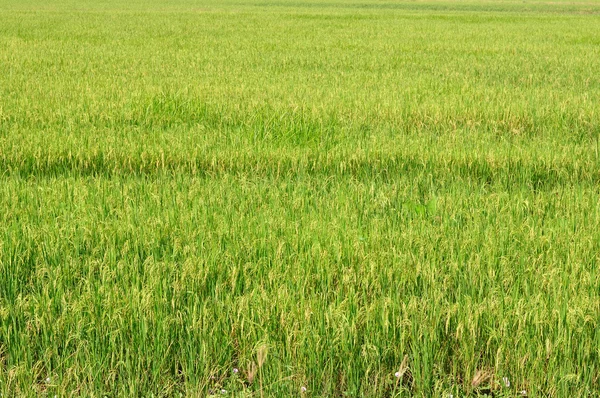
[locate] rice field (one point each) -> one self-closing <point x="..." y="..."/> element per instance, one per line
<point x="278" y="198"/>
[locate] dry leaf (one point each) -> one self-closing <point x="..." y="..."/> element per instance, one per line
<point x="481" y="376"/>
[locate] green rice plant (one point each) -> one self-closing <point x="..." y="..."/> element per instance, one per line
<point x="278" y="198"/>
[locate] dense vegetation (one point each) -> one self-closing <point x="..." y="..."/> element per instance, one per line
<point x="269" y="198"/>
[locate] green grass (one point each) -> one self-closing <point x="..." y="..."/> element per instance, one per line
<point x="319" y="194"/>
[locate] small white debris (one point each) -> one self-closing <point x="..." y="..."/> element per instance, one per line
<point x="303" y="389"/>
<point x="223" y="391"/>
<point x="523" y="393"/>
<point x="236" y="370"/>
<point x="397" y="374"/>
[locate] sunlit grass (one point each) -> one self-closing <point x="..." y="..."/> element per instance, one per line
<point x="298" y="198"/>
